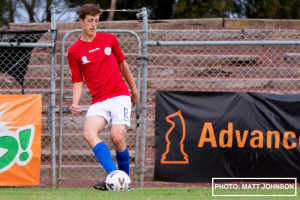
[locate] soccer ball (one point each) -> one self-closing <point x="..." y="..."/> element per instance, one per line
<point x="118" y="181"/>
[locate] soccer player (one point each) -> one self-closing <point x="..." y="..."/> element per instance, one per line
<point x="98" y="59"/>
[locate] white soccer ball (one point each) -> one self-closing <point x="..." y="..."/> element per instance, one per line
<point x="118" y="181"/>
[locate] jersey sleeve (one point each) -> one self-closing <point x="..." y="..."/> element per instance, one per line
<point x="117" y="50"/>
<point x="75" y="68"/>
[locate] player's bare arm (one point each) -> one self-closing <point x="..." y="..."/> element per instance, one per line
<point x="77" y="92"/>
<point x="126" y="73"/>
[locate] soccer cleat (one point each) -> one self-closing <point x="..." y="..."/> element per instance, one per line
<point x="100" y="186"/>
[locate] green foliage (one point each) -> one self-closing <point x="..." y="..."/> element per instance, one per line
<point x="273" y="9"/>
<point x="203" y="9"/>
<point x="7" y="11"/>
<point x="104" y="4"/>
<point x="268" y="9"/>
<point x="169" y="9"/>
<point x="160" y="9"/>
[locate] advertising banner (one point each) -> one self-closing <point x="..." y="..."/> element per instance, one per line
<point x="20" y="140"/>
<point x="201" y="135"/>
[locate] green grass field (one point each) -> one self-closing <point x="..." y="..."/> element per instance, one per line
<point x="180" y="193"/>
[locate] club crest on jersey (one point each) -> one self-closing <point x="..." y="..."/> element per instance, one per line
<point x="107" y="51"/>
<point x="84" y="60"/>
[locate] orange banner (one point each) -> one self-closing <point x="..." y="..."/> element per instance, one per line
<point x="20" y="139"/>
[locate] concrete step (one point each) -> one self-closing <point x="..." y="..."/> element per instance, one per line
<point x="178" y="24"/>
<point x="129" y="46"/>
<point x="214" y="84"/>
<point x="44" y="58"/>
<point x="182" y="63"/>
<point x="152" y="92"/>
<point x="93" y="172"/>
<point x="216" y="71"/>
<point x="75" y="124"/>
<point x="37" y="79"/>
<point x="81" y="155"/>
<point x="222" y="35"/>
<point x="293" y="58"/>
<point x="38" y="76"/>
<point x="203" y="60"/>
<point x="45" y="70"/>
<point x="43" y="82"/>
<point x="174" y="59"/>
<point x="193" y="56"/>
<point x="128" y="24"/>
<point x="223" y="71"/>
<point x="163" y="78"/>
<point x="127" y="41"/>
<point x="244" y="26"/>
<point x="76" y="141"/>
<point x="196" y="35"/>
<point x="29" y="82"/>
<point x="45" y="92"/>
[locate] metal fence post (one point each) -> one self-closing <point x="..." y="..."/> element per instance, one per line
<point x="52" y="98"/>
<point x="144" y="14"/>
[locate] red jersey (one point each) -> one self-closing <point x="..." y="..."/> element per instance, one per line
<point x="97" y="62"/>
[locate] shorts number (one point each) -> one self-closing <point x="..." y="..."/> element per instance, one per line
<point x="125" y="113"/>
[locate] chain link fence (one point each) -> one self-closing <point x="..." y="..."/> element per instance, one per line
<point x="25" y="67"/>
<point x="195" y="60"/>
<point x="227" y="60"/>
<point x="78" y="166"/>
<point x="15" y="61"/>
<point x="219" y="60"/>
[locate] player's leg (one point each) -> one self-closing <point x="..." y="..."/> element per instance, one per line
<point x="120" y="122"/>
<point x="93" y="125"/>
<point x="118" y="139"/>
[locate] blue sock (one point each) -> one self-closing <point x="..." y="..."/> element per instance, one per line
<point x="104" y="156"/>
<point x="123" y="160"/>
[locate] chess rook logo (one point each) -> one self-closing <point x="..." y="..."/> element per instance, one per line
<point x="174" y="153"/>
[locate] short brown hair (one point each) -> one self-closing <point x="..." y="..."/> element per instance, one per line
<point x="89" y="9"/>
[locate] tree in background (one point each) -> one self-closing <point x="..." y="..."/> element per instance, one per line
<point x="202" y="8"/>
<point x="113" y="6"/>
<point x="160" y="9"/>
<point x="38" y="10"/>
<point x="7" y="12"/>
<point x="32" y="10"/>
<point x="185" y="9"/>
<point x="272" y="9"/>
<point x="263" y="9"/>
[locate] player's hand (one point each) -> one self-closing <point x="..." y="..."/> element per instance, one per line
<point x="134" y="98"/>
<point x="75" y="109"/>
